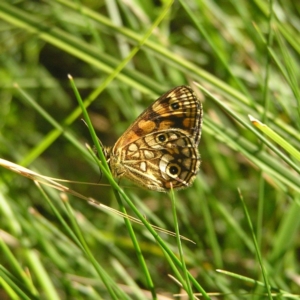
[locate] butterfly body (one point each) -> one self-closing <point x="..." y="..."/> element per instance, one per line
<point x="159" y="150"/>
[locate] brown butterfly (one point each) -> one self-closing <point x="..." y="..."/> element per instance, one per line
<point x="159" y="151"/>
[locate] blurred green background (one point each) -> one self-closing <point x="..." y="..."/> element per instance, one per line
<point x="244" y="55"/>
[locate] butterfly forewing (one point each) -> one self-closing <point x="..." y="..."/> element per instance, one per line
<point x="178" y="108"/>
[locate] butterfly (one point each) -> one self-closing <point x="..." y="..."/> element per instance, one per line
<point x="159" y="150"/>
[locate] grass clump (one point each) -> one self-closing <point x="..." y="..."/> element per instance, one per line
<point x="242" y="212"/>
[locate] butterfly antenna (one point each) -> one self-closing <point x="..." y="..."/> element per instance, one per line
<point x="96" y="152"/>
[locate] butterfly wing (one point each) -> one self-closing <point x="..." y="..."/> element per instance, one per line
<point x="159" y="160"/>
<point x="178" y="108"/>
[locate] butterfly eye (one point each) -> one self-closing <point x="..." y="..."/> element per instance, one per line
<point x="173" y="170"/>
<point x="175" y="105"/>
<point x="161" y="138"/>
